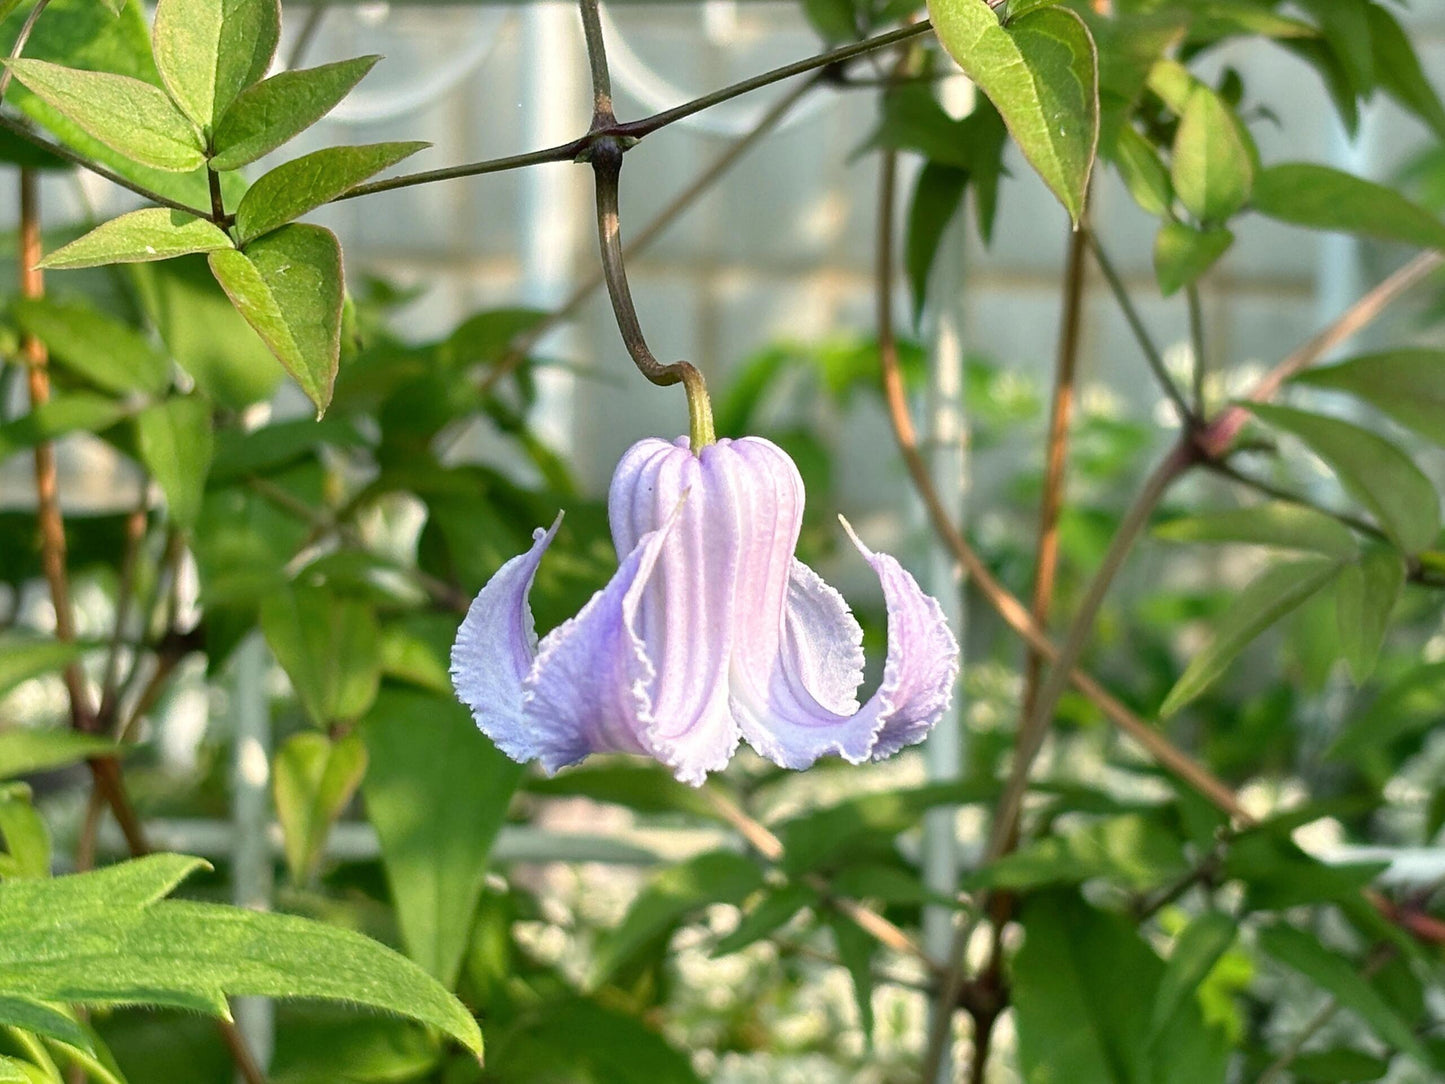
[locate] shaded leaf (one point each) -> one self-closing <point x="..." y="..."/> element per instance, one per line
<point x="437" y="792"/>
<point x="1196" y="950"/>
<point x="669" y="897"/>
<point x="100" y="348"/>
<point x="1041" y="73"/>
<point x="128" y="115"/>
<point x="208" y="51"/>
<point x="1182" y="254"/>
<point x="1134" y="850"/>
<point x="1212" y="168"/>
<point x="1271" y="595"/>
<point x="153" y="233"/>
<point x="266" y="115"/>
<point x="25" y="750"/>
<point x="1407" y="384"/>
<point x="305" y="183"/>
<point x="27" y="839"/>
<point x="23" y="658"/>
<point x="1142" y="171"/>
<point x="175" y="442"/>
<point x="773" y="911"/>
<point x="1397" y="67"/>
<point x="327" y="644"/>
<point x="583" y="1042"/>
<point x="68" y="413"/>
<point x="1276" y="524"/>
<point x="936" y="198"/>
<point x="42" y="1019"/>
<point x="1327" y="199"/>
<point x="1366" y="595"/>
<point x="313" y="778"/>
<point x="855" y="950"/>
<point x="1372" y="470"/>
<point x="644" y="787"/>
<point x="1339" y="977"/>
<point x="289" y="288"/>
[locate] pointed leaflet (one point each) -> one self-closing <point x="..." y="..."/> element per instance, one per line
<point x="1322" y="198"/>
<point x="1277" y="524"/>
<point x="22" y="658"/>
<point x="1182" y="254"/>
<point x="1271" y="595"/>
<point x="1142" y="171"/>
<point x="328" y="646"/>
<point x="273" y="111"/>
<point x="289" y="288"/>
<point x="1372" y="470"/>
<point x="1211" y="168"/>
<point x="1408" y="385"/>
<point x="108" y="353"/>
<point x="155" y="233"/>
<point x="305" y="183"/>
<point x="436" y="790"/>
<point x="43" y="1019"/>
<point x="107" y="938"/>
<point x="1398" y="70"/>
<point x="175" y="441"/>
<point x="1367" y="593"/>
<point x="208" y="51"/>
<point x="127" y="115"/>
<point x="77" y="410"/>
<point x="27" y="839"/>
<point x="1041" y="72"/>
<point x="313" y="780"/>
<point x="27" y="750"/>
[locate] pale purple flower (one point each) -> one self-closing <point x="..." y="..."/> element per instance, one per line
<point x="710" y="632"/>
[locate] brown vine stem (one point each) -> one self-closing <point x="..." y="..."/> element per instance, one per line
<point x="523" y="344"/>
<point x="635" y="130"/>
<point x="762" y="839"/>
<point x="1216" y="438"/>
<point x="105" y="771"/>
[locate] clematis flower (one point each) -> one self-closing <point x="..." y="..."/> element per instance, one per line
<point x="710" y="632"/>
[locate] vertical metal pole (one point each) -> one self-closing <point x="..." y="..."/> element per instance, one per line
<point x="251" y="864"/>
<point x="945" y="749"/>
<point x="556" y="104"/>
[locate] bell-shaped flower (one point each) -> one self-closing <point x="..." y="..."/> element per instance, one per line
<point x="710" y="632"/>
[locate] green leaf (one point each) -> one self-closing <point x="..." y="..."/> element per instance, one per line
<point x="102" y="938"/>
<point x="1182" y="254"/>
<point x="583" y="1042"/>
<point x="1372" y="470"/>
<point x="671" y="896"/>
<point x="42" y="1019"/>
<point x="1212" y="167"/>
<point x="855" y="950"/>
<point x="1275" y="592"/>
<point x="1196" y="950"/>
<point x="1366" y="595"/>
<point x="131" y="117"/>
<point x="1303" y="953"/>
<point x="1346" y="27"/>
<point x="329" y="1047"/>
<point x="205" y="334"/>
<point x="1142" y="171"/>
<point x="108" y="353"/>
<point x="265" y="116"/>
<point x="328" y="646"/>
<point x="305" y="183"/>
<point x="1083" y="986"/>
<point x="642" y="787"/>
<point x="313" y="779"/>
<point x="24" y="750"/>
<point x="154" y="233"/>
<point x="1407" y="384"/>
<point x="1041" y="72"/>
<point x="26" y="837"/>
<point x="1322" y="198"/>
<point x="437" y="792"/>
<point x="936" y="198"/>
<point x="1397" y="68"/>
<point x="771" y="913"/>
<point x="1133" y="850"/>
<point x="1279" y="875"/>
<point x="289" y="288"/>
<point x="1276" y="524"/>
<point x="64" y="414"/>
<point x="175" y="442"/>
<point x="14" y="1071"/>
<point x="23" y="658"/>
<point x="208" y="51"/>
<point x="1338" y="1066"/>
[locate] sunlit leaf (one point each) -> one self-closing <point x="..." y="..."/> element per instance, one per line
<point x="328" y="646"/>
<point x="1041" y="72"/>
<point x="1182" y="254"/>
<point x="127" y="115"/>
<point x="289" y="288"/>
<point x="153" y="233"/>
<point x="313" y="779"/>
<point x="208" y="51"/>
<point x="1212" y="169"/>
<point x="266" y="115"/>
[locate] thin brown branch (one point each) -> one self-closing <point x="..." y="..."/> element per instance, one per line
<point x="1216" y="438"/>
<point x="523" y="344"/>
